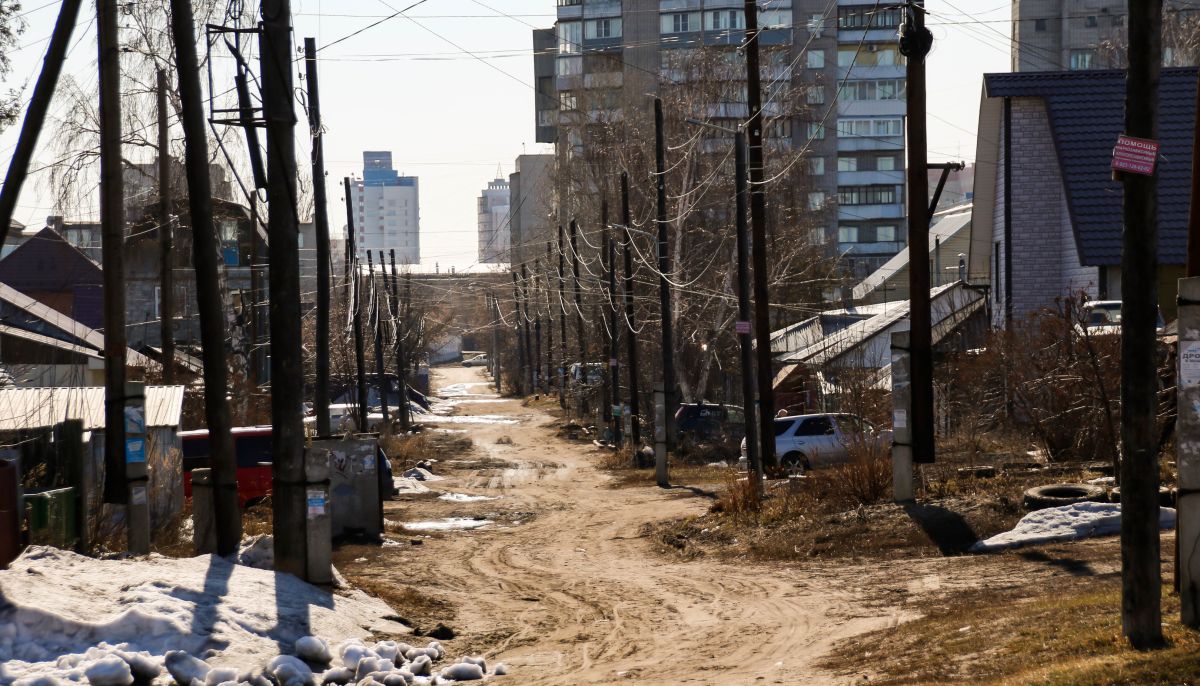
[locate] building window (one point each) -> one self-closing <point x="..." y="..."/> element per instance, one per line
<point x="885" y="163"/>
<point x="779" y="128"/>
<point x="816" y="200"/>
<point x="815" y="95"/>
<point x="868" y="17"/>
<point x="774" y="19"/>
<point x="1082" y="59"/>
<point x="1039" y="25"/>
<point x="847" y="234"/>
<point x="681" y="22"/>
<point x="816" y="59"/>
<point x="869" y="55"/>
<point x="885" y="234"/>
<point x="816" y="166"/>
<point x="873" y="89"/>
<point x="816" y="130"/>
<point x="1090" y="21"/>
<point x="603" y="28"/>
<point x="724" y="20"/>
<point x="570" y="35"/>
<point x="866" y="195"/>
<point x="847" y="164"/>
<point x="566" y="100"/>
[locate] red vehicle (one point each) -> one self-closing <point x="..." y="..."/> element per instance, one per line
<point x="252" y="448"/>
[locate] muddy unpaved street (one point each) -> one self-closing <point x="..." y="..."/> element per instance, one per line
<point x="564" y="588"/>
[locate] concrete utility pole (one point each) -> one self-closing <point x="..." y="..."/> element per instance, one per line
<point x="205" y="255"/>
<point x="915" y="43"/>
<point x="753" y="454"/>
<point x="166" y="239"/>
<point x="631" y="338"/>
<point x="550" y="375"/>
<point x="287" y="383"/>
<point x="321" y="220"/>
<point x="598" y="322"/>
<point x="520" y="384"/>
<point x="399" y="321"/>
<point x="758" y="223"/>
<point x="1141" y="585"/>
<point x="1187" y="566"/>
<point x="579" y="335"/>
<point x="35" y="114"/>
<point x="537" y="326"/>
<point x="376" y="313"/>
<point x="614" y="335"/>
<point x="495" y="314"/>
<point x="530" y="358"/>
<point x="664" y="286"/>
<point x="360" y="355"/>
<point x="112" y="219"/>
<point x="1193" y="235"/>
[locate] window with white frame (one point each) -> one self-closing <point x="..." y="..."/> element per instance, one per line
<point x="816" y="200"/>
<point x="847" y="164"/>
<point x="885" y="163"/>
<point x="815" y="59"/>
<point x="885" y="234"/>
<point x="847" y="234"/>
<point x="816" y="130"/>
<point x="775" y="19"/>
<point x="724" y="20"/>
<point x="816" y="166"/>
<point x="680" y="22"/>
<point x="814" y="95"/>
<point x="570" y="36"/>
<point x="603" y="28"/>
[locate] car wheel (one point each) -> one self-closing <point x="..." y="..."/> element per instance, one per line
<point x="795" y="463"/>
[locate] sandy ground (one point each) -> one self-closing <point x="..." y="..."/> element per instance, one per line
<point x="565" y="589"/>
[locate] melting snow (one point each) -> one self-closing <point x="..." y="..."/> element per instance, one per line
<point x="471" y="419"/>
<point x="465" y="497"/>
<point x="448" y="524"/>
<point x="1065" y="523"/>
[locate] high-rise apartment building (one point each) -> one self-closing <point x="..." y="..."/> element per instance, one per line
<point x="845" y="57"/>
<point x="1062" y="35"/>
<point x="386" y="209"/>
<point x="494" y="227"/>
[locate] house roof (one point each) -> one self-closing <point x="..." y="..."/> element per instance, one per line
<point x="81" y="335"/>
<point x="1086" y="110"/>
<point x="36" y="408"/>
<point x="47" y="262"/>
<point x="945" y="228"/>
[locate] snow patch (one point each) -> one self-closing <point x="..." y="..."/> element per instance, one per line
<point x="421" y="474"/>
<point x="409" y="485"/>
<point x="472" y="419"/>
<point x="466" y="497"/>
<point x="258" y="552"/>
<point x="1065" y="523"/>
<point x="448" y="524"/>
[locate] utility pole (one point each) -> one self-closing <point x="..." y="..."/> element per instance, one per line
<point x="631" y="338"/>
<point x="401" y="370"/>
<point x="743" y="324"/>
<point x="205" y="256"/>
<point x="538" y="379"/>
<point x="287" y="383"/>
<point x="915" y="43"/>
<point x="1193" y="236"/>
<point x="758" y="223"/>
<point x="495" y="313"/>
<point x="166" y="240"/>
<point x="112" y="218"/>
<point x="614" y="337"/>
<point x="520" y="385"/>
<point x="530" y="358"/>
<point x="562" y="308"/>
<point x="579" y="335"/>
<point x="360" y="355"/>
<point x="321" y="219"/>
<point x="598" y="322"/>
<point x="380" y="372"/>
<point x="550" y="375"/>
<point x="35" y="114"/>
<point x="664" y="268"/>
<point x="1141" y="585"/>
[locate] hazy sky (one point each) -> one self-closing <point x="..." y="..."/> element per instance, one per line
<point x="449" y="92"/>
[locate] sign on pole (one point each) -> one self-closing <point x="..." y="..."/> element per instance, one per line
<point x="1134" y="155"/>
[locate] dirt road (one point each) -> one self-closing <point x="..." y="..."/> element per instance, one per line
<point x="565" y="589"/>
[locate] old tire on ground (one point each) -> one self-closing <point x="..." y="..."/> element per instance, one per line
<point x="1166" y="496"/>
<point x="1055" y="495"/>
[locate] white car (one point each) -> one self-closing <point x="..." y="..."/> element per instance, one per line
<point x="476" y="361"/>
<point x="809" y="441"/>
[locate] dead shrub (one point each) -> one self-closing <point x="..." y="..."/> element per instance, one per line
<point x="866" y="478"/>
<point x="738" y="499"/>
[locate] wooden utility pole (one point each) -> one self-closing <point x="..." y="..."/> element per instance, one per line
<point x="631" y="337"/>
<point x="205" y="258"/>
<point x="614" y="336"/>
<point x="376" y="314"/>
<point x="753" y="452"/>
<point x="1193" y="234"/>
<point x="550" y="375"/>
<point x="360" y="354"/>
<point x="35" y="114"/>
<point x="321" y="220"/>
<point x="758" y="223"/>
<point x="532" y="295"/>
<point x="915" y="43"/>
<point x="664" y="285"/>
<point x="494" y="312"/>
<point x="530" y="359"/>
<point x="562" y="321"/>
<point x="400" y="324"/>
<point x="112" y="220"/>
<point x="1141" y="585"/>
<point x="579" y="335"/>
<point x="166" y="240"/>
<point x="521" y="362"/>
<point x="598" y="322"/>
<point x="287" y="383"/>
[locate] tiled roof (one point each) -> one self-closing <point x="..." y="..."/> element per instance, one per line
<point x="1087" y="112"/>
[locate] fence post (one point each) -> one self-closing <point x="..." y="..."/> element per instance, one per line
<point x="1187" y="443"/>
<point x="902" y="458"/>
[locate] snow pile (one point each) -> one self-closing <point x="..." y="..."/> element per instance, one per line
<point x="1065" y="523"/>
<point x="472" y="419"/>
<point x="409" y="485"/>
<point x="421" y="474"/>
<point x="63" y="615"/>
<point x="449" y="524"/>
<point x="257" y="552"/>
<point x="465" y="497"/>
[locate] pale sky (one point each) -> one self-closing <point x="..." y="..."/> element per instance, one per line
<point x="413" y="87"/>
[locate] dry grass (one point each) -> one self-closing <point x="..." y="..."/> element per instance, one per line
<point x="1065" y="634"/>
<point x="406" y="450"/>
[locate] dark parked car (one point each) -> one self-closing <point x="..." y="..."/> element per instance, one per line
<point x="703" y="422"/>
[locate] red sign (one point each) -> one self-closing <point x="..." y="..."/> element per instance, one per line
<point x="742" y="327"/>
<point x="1134" y="155"/>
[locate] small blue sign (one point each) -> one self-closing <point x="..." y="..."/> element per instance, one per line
<point x="135" y="450"/>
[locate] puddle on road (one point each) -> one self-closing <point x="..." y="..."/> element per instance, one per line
<point x="448" y="524"/>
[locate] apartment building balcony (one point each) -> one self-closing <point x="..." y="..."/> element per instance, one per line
<point x="855" y="143"/>
<point x="871" y="108"/>
<point x="877" y="71"/>
<point x="608" y="79"/>
<point x="855" y="36"/>
<point x="597" y="9"/>
<point x="869" y="249"/>
<point x="570" y="9"/>
<point x="870" y="178"/>
<point x="860" y="212"/>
